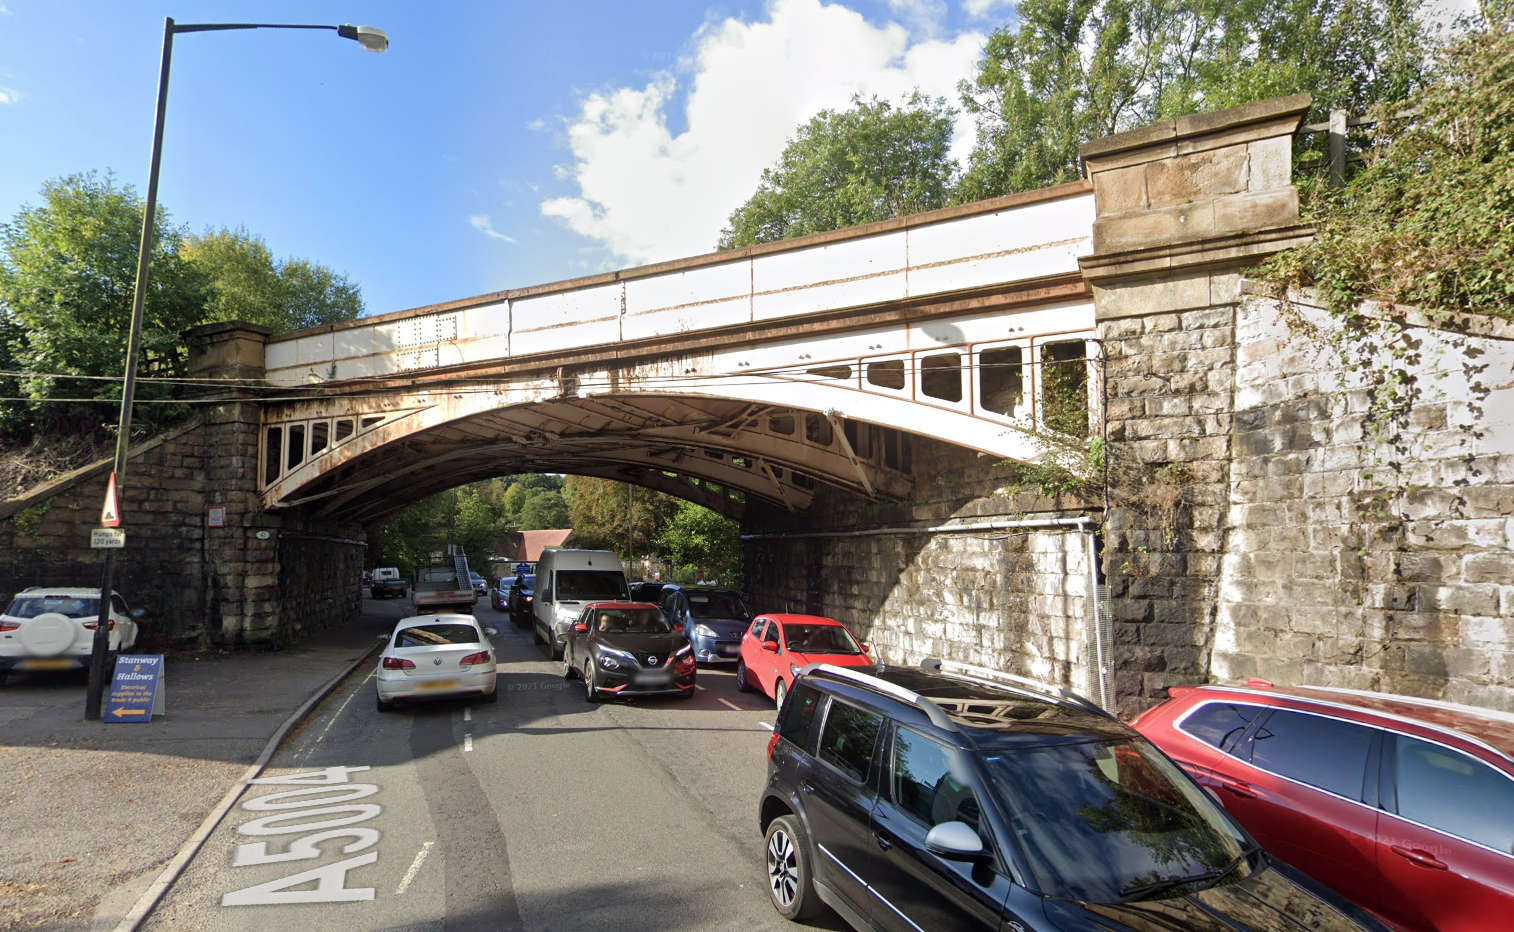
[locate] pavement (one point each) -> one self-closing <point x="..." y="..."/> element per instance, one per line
<point x="94" y="812"/>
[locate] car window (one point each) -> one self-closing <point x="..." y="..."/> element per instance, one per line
<point x="72" y="606"/>
<point x="848" y="738"/>
<point x="1322" y="752"/>
<point x="590" y="585"/>
<point x="431" y="635"/>
<point x="772" y="633"/>
<point x="716" y="605"/>
<point x="629" y="621"/>
<point x="1454" y="793"/>
<point x="1103" y="819"/>
<point x="927" y="784"/>
<point x="798" y="712"/>
<point x="757" y="628"/>
<point x="119" y="605"/>
<point x="1219" y="724"/>
<point x="821" y="639"/>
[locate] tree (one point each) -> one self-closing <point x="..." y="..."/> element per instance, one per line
<point x="67" y="273"/>
<point x="697" y="536"/>
<point x="1074" y="70"/>
<point x="598" y="511"/>
<point x="247" y="283"/>
<point x="871" y="162"/>
<point x="543" y="509"/>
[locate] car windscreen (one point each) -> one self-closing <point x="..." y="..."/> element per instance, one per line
<point x="629" y="621"/>
<point x="590" y="586"/>
<point x="72" y="606"/>
<point x="432" y="635"/>
<point x="820" y="639"/>
<point x="1099" y="820"/>
<point x="716" y="605"/>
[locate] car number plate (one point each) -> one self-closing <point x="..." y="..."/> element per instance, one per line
<point x="729" y="650"/>
<point x="429" y="685"/>
<point x="651" y="679"/>
<point x="58" y="664"/>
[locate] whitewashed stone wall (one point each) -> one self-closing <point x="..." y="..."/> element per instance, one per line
<point x="1361" y="562"/>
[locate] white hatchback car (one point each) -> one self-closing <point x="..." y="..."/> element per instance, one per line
<point x="53" y="628"/>
<point x="433" y="656"/>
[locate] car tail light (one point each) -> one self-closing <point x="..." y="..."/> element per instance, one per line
<point x="93" y="625"/>
<point x="772" y="743"/>
<point x="9" y="625"/>
<point x="480" y="657"/>
<point x="397" y="663"/>
<point x="1257" y="682"/>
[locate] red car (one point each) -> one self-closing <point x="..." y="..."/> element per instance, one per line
<point x="1404" y="805"/>
<point x="776" y="647"/>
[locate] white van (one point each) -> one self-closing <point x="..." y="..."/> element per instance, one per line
<point x="566" y="581"/>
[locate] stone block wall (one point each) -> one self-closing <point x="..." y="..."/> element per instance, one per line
<point x="1012" y="599"/>
<point x="1169" y="379"/>
<point x="1365" y="560"/>
<point x="261" y="580"/>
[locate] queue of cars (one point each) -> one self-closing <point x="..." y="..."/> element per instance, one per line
<point x="954" y="797"/>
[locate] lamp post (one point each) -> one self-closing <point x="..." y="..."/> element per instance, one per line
<point x="369" y="38"/>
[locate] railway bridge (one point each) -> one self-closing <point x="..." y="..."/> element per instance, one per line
<point x="878" y="406"/>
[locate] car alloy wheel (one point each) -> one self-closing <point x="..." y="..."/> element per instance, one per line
<point x="779" y="691"/>
<point x="789" y="884"/>
<point x="742" y="684"/>
<point x="591" y="692"/>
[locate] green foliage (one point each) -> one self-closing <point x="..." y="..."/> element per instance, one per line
<point x="247" y="283"/>
<point x="871" y="162"/>
<point x="1070" y="71"/>
<point x="1430" y="221"/>
<point x="475" y="517"/>
<point x="599" y="509"/>
<point x="67" y="272"/>
<point x="700" y="537"/>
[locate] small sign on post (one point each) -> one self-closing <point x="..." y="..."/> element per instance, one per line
<point x="136" y="691"/>
<point x="215" y="516"/>
<point x="110" y="514"/>
<point x="106" y="538"/>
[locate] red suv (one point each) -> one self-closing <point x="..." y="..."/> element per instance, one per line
<point x="1404" y="805"/>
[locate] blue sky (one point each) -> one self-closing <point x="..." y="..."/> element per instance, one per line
<point x="495" y="145"/>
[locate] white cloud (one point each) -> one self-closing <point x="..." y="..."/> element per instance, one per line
<point x="647" y="194"/>
<point x="9" y="96"/>
<point x="482" y="224"/>
<point x="983" y="9"/>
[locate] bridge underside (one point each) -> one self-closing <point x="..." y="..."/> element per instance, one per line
<point x="717" y="452"/>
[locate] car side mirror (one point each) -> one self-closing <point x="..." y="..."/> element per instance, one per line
<point x="955" y="841"/>
<point x="491" y="631"/>
<point x="138" y="613"/>
<point x="581" y="628"/>
<point x="677" y="627"/>
<point x="383" y="637"/>
<point x="770" y="647"/>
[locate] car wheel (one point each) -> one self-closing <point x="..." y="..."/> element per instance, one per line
<point x="790" y="886"/>
<point x="779" y="691"/>
<point x="591" y="692"/>
<point x="382" y="705"/>
<point x="742" y="684"/>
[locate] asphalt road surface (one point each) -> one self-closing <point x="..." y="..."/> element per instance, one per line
<point x="540" y="812"/>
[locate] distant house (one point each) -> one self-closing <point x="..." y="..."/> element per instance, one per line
<point x="525" y="547"/>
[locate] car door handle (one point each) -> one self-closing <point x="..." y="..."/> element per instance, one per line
<point x="1243" y="790"/>
<point x="882" y="840"/>
<point x="1417" y="856"/>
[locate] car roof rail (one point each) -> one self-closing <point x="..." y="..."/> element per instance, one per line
<point x="935" y="713"/>
<point x="1019" y="683"/>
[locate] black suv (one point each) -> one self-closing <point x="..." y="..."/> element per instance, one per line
<point x="957" y="798"/>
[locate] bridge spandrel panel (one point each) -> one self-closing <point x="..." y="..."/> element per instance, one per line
<point x="566" y="319"/>
<point x="838" y="275"/>
<point x="1019" y="243"/>
<point x="694" y="299"/>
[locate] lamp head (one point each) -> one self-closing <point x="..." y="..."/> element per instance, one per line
<point x="369" y="37"/>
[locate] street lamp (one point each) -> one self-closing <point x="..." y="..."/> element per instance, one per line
<point x="374" y="40"/>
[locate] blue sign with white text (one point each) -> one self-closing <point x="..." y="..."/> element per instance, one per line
<point x="136" y="689"/>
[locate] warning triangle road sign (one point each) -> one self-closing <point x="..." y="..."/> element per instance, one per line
<point x="110" y="515"/>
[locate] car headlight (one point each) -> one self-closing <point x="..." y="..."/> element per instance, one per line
<point x="610" y="659"/>
<point x="793" y="670"/>
<point x="704" y="631"/>
<point x="608" y="662"/>
<point x="686" y="650"/>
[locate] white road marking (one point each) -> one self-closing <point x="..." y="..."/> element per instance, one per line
<point x="467" y="743"/>
<point x="311" y="749"/>
<point x="415" y="867"/>
<point x="728" y="702"/>
<point x="698" y="687"/>
<point x="767" y="725"/>
<point x="467" y="715"/>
